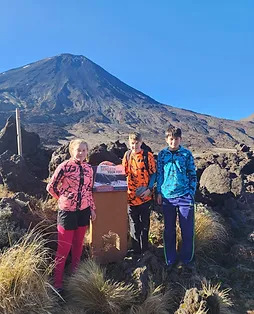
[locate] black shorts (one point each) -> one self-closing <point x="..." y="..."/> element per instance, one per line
<point x="72" y="220"/>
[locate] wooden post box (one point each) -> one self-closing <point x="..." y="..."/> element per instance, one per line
<point x="109" y="230"/>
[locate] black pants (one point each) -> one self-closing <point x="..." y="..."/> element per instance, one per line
<point x="139" y="219"/>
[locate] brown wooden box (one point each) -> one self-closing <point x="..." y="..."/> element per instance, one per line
<point x="109" y="230"/>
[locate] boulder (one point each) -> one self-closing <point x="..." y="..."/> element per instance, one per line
<point x="117" y="148"/>
<point x="193" y="302"/>
<point x="112" y="152"/>
<point x="16" y="177"/>
<point x="216" y="180"/>
<point x="101" y="153"/>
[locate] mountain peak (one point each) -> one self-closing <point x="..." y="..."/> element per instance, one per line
<point x="69" y="56"/>
<point x="65" y="83"/>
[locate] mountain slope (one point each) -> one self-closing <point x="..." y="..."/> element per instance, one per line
<point x="71" y="95"/>
<point x="250" y="118"/>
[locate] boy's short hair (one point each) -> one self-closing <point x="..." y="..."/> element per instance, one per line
<point x="135" y="136"/>
<point x="173" y="131"/>
<point x="76" y="142"/>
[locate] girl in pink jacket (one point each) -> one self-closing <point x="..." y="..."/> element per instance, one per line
<point x="72" y="184"/>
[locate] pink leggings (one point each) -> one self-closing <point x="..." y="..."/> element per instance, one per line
<point x="68" y="240"/>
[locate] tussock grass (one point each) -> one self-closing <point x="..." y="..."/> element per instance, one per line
<point x="46" y="210"/>
<point x="24" y="270"/>
<point x="88" y="289"/>
<point x="210" y="232"/>
<point x="156" y="302"/>
<point x="221" y="296"/>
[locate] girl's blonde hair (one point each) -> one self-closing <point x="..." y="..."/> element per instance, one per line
<point x="76" y="142"/>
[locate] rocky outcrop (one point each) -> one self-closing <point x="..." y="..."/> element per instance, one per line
<point x="59" y="155"/>
<point x="8" y="139"/>
<point x="95" y="157"/>
<point x="36" y="157"/>
<point x="193" y="302"/>
<point x="117" y="148"/>
<point x="225" y="174"/>
<point x="16" y="218"/>
<point x="101" y="153"/>
<point x="226" y="183"/>
<point x="16" y="177"/>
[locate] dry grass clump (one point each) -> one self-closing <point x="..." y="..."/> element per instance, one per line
<point x="210" y="232"/>
<point x="24" y="271"/>
<point x="156" y="229"/>
<point x="209" y="299"/>
<point x="45" y="209"/>
<point x="4" y="192"/>
<point x="88" y="289"/>
<point x="156" y="302"/>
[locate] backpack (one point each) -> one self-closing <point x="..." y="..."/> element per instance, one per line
<point x="145" y="155"/>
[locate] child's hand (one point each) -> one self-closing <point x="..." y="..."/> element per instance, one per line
<point x="145" y="194"/>
<point x="159" y="199"/>
<point x="93" y="215"/>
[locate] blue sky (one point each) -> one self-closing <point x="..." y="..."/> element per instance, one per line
<point x="197" y="55"/>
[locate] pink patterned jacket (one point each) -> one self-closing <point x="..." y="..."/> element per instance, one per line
<point x="72" y="184"/>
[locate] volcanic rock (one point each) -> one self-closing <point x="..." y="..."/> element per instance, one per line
<point x="16" y="176"/>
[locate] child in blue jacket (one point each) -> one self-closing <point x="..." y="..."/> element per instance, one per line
<point x="176" y="186"/>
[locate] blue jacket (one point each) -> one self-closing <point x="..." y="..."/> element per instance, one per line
<point x="176" y="173"/>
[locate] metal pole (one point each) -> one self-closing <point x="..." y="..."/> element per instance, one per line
<point x="19" y="140"/>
